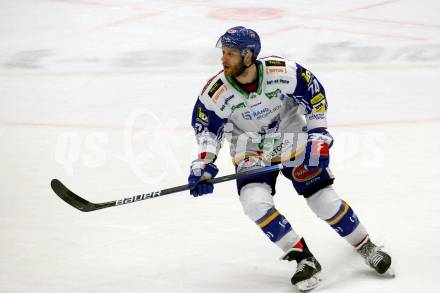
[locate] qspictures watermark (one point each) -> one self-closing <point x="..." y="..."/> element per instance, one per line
<point x="154" y="148"/>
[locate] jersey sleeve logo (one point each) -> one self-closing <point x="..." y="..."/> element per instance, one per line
<point x="209" y="82"/>
<point x="201" y="116"/>
<point x="215" y="87"/>
<point x="306" y="75"/>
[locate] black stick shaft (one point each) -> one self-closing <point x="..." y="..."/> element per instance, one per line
<point x="186" y="187"/>
<point x="86" y="206"/>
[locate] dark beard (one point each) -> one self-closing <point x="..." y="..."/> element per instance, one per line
<point x="238" y="70"/>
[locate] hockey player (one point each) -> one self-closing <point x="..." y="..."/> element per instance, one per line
<point x="274" y="110"/>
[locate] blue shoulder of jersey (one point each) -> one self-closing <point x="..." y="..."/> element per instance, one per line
<point x="204" y="120"/>
<point x="309" y="91"/>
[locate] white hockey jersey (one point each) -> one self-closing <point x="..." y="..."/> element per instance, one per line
<point x="271" y="122"/>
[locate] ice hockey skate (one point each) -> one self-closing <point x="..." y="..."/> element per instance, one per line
<point x="306" y="276"/>
<point x="376" y="258"/>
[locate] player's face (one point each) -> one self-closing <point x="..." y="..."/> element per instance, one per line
<point x="232" y="62"/>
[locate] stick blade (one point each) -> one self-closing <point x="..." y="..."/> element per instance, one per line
<point x="71" y="198"/>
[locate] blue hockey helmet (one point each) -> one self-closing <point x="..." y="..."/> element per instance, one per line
<point x="241" y="38"/>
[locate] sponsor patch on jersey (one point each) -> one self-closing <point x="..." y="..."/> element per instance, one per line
<point x="277" y="63"/>
<point x="315" y="116"/>
<point x="320" y="107"/>
<point x="238" y="106"/>
<point x="201" y="116"/>
<point x="276" y="70"/>
<point x="219" y="92"/>
<point x="318" y="98"/>
<point x="273" y="94"/>
<point x="276" y="81"/>
<point x="246" y="115"/>
<point x="228" y="99"/>
<point x="254" y="105"/>
<point x="301" y="175"/>
<point x="215" y="87"/>
<point x="209" y="82"/>
<point x="260" y="114"/>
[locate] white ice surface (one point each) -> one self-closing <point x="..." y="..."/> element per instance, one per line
<point x="74" y="73"/>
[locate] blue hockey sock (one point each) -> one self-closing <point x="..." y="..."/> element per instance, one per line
<point x="274" y="225"/>
<point x="345" y="221"/>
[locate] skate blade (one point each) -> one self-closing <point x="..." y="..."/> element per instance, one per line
<point x="390" y="273"/>
<point x="308" y="284"/>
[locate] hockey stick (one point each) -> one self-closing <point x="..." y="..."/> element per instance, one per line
<point x="86" y="206"/>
